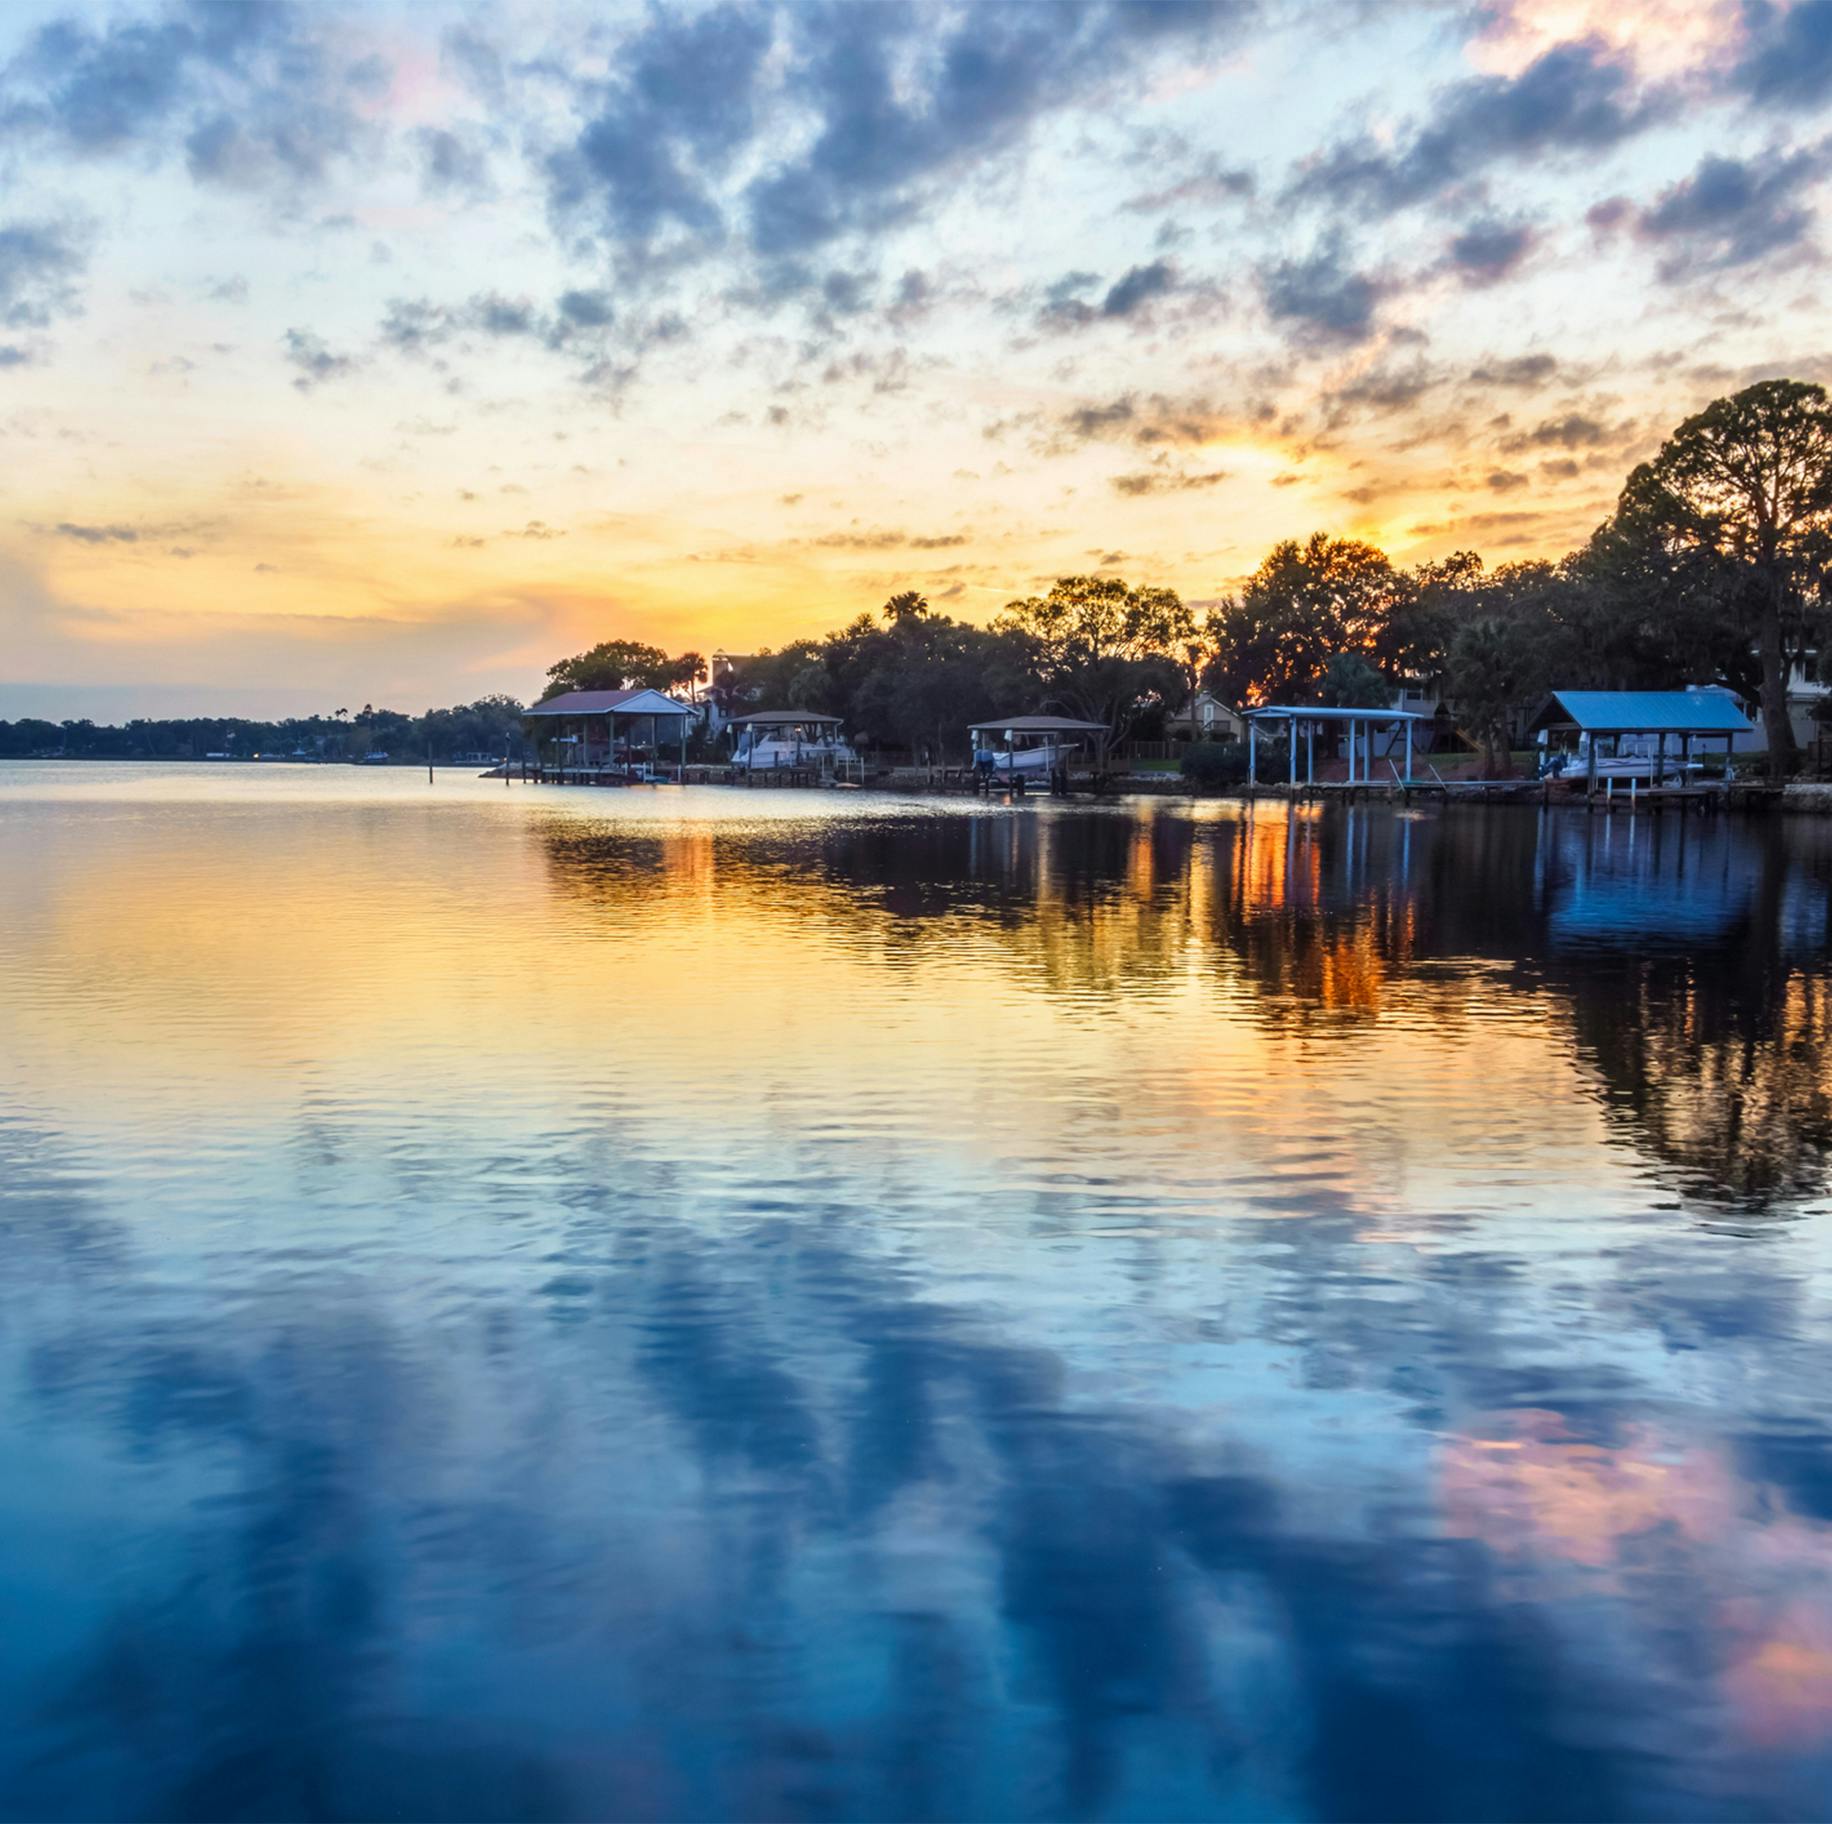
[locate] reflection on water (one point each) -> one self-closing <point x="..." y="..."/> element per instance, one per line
<point x="707" y="1304"/>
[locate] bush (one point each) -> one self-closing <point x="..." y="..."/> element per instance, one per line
<point x="1217" y="762"/>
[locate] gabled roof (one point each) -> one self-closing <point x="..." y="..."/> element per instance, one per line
<point x="610" y="702"/>
<point x="1315" y="712"/>
<point x="784" y="718"/>
<point x="1041" y="725"/>
<point x="1644" y="712"/>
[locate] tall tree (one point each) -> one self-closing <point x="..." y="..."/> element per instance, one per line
<point x="1104" y="652"/>
<point x="1302" y="606"/>
<point x="616" y="665"/>
<point x="1747" y="485"/>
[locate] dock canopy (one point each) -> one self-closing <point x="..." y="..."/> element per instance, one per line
<point x="783" y="718"/>
<point x="1643" y="712"/>
<point x="580" y="703"/>
<point x="1361" y="723"/>
<point x="621" y="713"/>
<point x="1596" y="716"/>
<point x="1037" y="725"/>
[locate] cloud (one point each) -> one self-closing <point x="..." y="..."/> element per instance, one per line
<point x="1066" y="308"/>
<point x="882" y="539"/>
<point x="251" y="94"/>
<point x="1166" y="481"/>
<point x="854" y="113"/>
<point x="316" y="363"/>
<point x="536" y="529"/>
<point x="1210" y="184"/>
<point x="1575" y="98"/>
<point x="1515" y="370"/>
<point x="1490" y="250"/>
<point x="1574" y="431"/>
<point x="96" y="535"/>
<point x="1788" y="62"/>
<point x="1505" y="481"/>
<point x="452" y="162"/>
<point x="1137" y="288"/>
<point x="1322" y="297"/>
<point x="682" y="101"/>
<point x="40" y="265"/>
<point x="1731" y="211"/>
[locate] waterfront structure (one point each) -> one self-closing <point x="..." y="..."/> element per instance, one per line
<point x="1205" y="717"/>
<point x="1038" y="746"/>
<point x="1703" y="713"/>
<point x="605" y="730"/>
<point x="1359" y="725"/>
<point x="773" y="740"/>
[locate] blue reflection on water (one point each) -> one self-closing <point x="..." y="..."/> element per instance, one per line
<point x="561" y="1310"/>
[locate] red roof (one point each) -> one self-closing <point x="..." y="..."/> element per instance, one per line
<point x="605" y="702"/>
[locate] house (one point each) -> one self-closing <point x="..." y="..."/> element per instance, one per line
<point x="1206" y="718"/>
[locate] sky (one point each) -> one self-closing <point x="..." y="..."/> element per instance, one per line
<point x="388" y="354"/>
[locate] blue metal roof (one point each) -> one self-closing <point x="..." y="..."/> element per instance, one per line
<point x="1644" y="712"/>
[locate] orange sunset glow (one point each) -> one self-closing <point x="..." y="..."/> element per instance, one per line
<point x="387" y="354"/>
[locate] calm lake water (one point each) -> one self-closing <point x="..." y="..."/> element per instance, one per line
<point x="702" y="1304"/>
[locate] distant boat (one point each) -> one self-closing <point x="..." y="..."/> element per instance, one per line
<point x="379" y="759"/>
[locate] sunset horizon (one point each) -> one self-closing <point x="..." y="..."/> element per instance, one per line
<point x="392" y="355"/>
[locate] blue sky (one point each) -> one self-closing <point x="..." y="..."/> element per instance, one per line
<point x="386" y="354"/>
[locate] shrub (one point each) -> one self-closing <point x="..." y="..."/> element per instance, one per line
<point x="1217" y="762"/>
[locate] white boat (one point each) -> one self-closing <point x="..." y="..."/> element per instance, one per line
<point x="786" y="740"/>
<point x="1035" y="747"/>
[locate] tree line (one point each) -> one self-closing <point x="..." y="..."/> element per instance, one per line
<point x="492" y="725"/>
<point x="1713" y="567"/>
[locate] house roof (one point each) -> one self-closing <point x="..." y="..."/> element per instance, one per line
<point x="610" y="703"/>
<point x="1315" y="712"/>
<point x="1040" y="725"/>
<point x="1644" y="712"/>
<point x="784" y="718"/>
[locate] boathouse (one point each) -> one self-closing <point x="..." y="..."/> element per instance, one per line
<point x="1597" y="717"/>
<point x="772" y="740"/>
<point x="1359" y="725"/>
<point x="604" y="731"/>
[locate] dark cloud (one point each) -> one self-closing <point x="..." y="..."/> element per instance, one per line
<point x="865" y="538"/>
<point x="879" y="102"/>
<point x="452" y="163"/>
<point x="12" y="355"/>
<point x="1574" y="98"/>
<point x="1382" y="388"/>
<point x="1088" y="421"/>
<point x="536" y="529"/>
<point x="1137" y="288"/>
<point x="251" y="94"/>
<point x="1505" y="481"/>
<point x="1210" y="184"/>
<point x="96" y="535"/>
<point x="316" y="363"/>
<point x="40" y="265"/>
<point x="683" y="101"/>
<point x="1166" y="481"/>
<point x="1515" y="370"/>
<point x="1789" y="59"/>
<point x="1732" y="211"/>
<point x="1574" y="431"/>
<point x="1490" y="250"/>
<point x="1067" y="307"/>
<point x="585" y="309"/>
<point x="1322" y="297"/>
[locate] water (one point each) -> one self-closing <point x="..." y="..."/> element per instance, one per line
<point x="711" y="1304"/>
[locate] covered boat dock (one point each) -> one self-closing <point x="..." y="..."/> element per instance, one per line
<point x="1036" y="747"/>
<point x="1595" y="716"/>
<point x="1309" y="717"/>
<point x="600" y="734"/>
